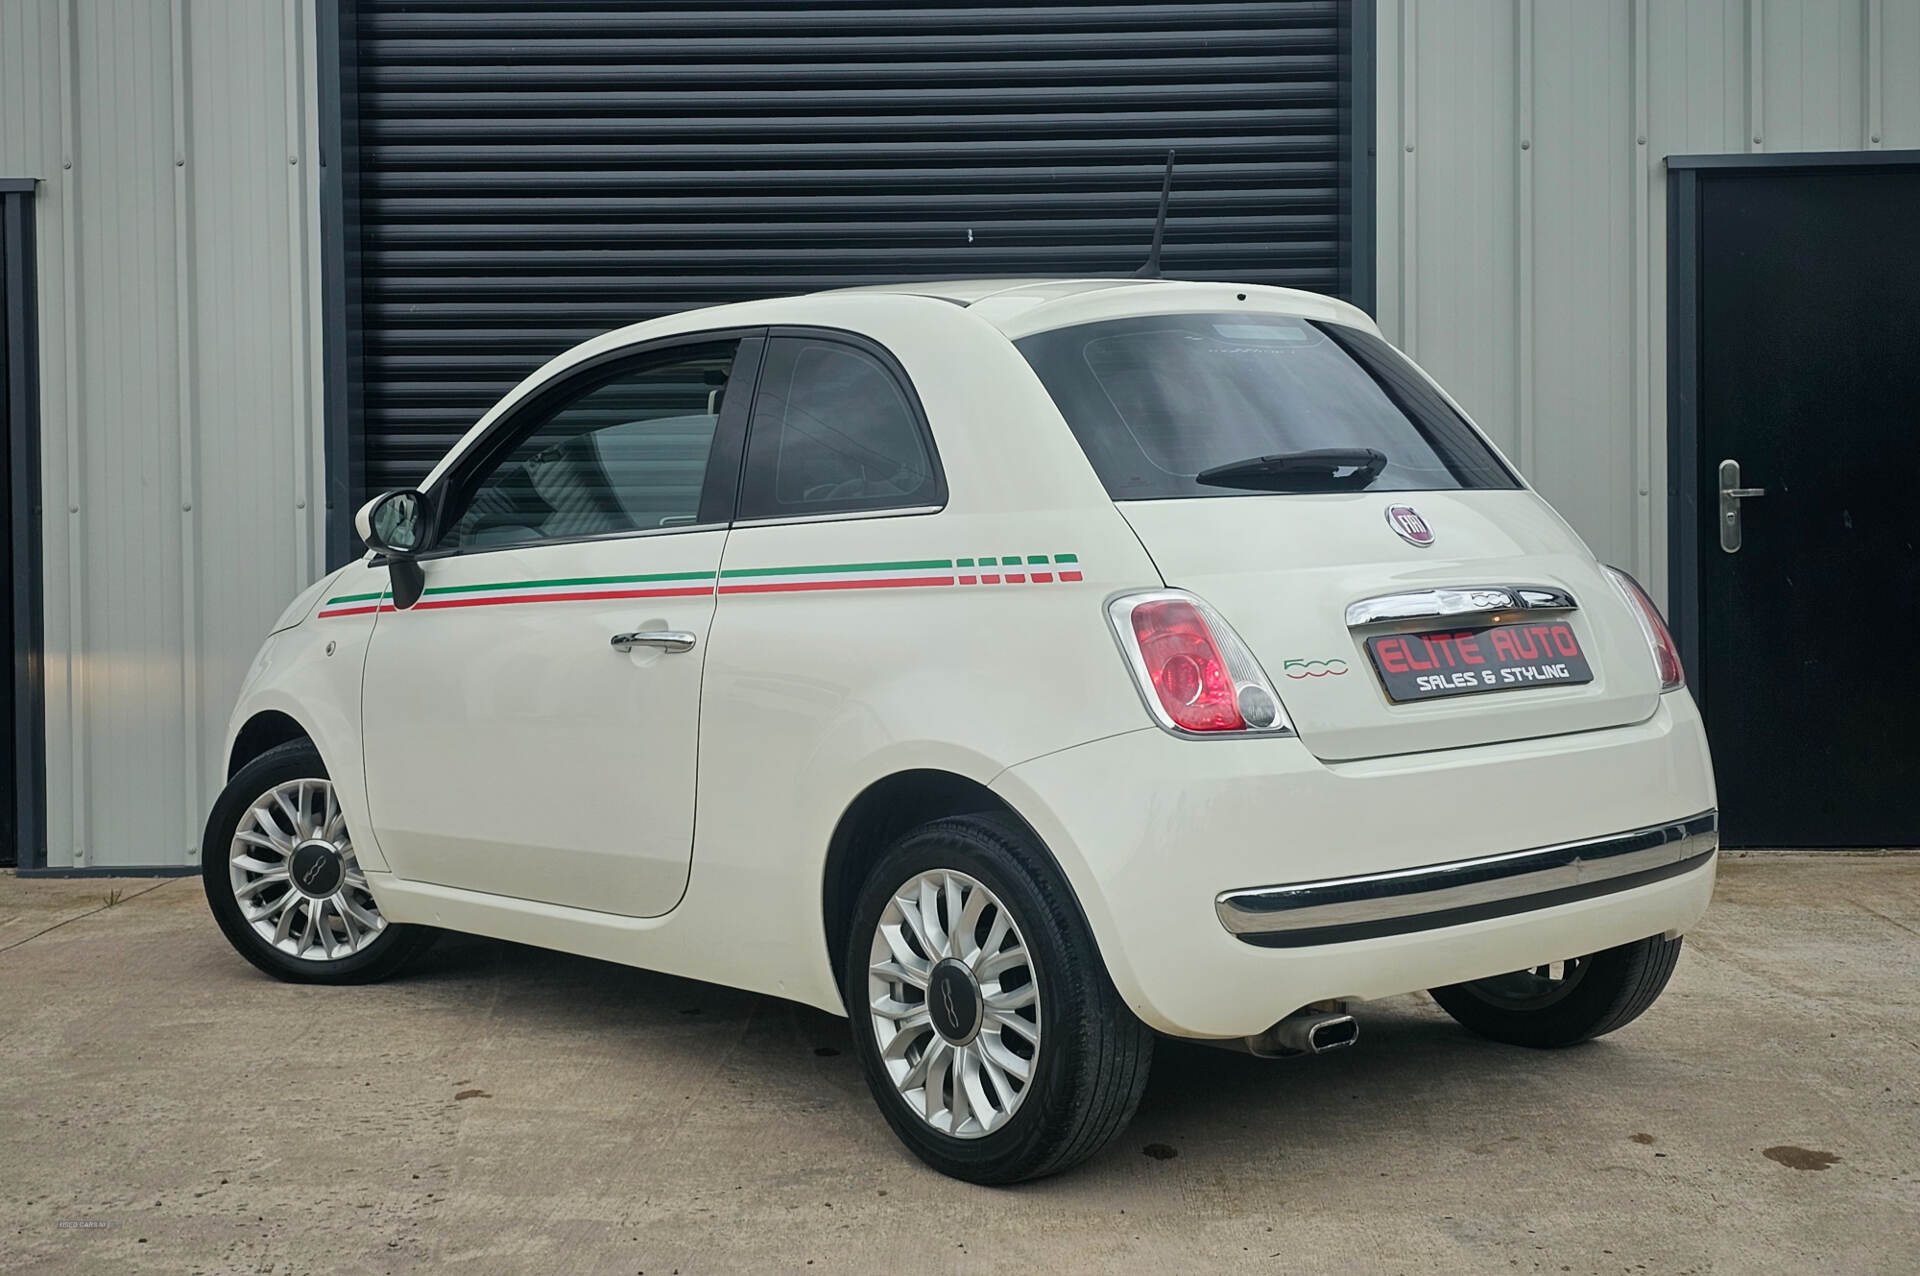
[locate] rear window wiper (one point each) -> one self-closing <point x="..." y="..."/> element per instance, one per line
<point x="1333" y="469"/>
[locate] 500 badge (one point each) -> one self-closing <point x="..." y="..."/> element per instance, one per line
<point x="1314" y="668"/>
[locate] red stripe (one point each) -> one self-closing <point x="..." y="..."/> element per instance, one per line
<point x="769" y="587"/>
<point x="438" y="604"/>
<point x="799" y="586"/>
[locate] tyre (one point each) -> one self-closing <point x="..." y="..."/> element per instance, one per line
<point x="1565" y="1002"/>
<point x="991" y="1037"/>
<point x="278" y="865"/>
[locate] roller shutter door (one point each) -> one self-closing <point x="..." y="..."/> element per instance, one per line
<point x="522" y="176"/>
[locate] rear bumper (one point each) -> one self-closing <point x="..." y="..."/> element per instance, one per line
<point x="1341" y="909"/>
<point x="1155" y="833"/>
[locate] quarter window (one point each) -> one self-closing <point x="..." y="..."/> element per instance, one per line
<point x="834" y="432"/>
<point x="625" y="452"/>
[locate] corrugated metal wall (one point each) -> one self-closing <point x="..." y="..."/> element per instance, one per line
<point x="531" y="175"/>
<point x="180" y="444"/>
<point x="1522" y="258"/>
<point x="1522" y="203"/>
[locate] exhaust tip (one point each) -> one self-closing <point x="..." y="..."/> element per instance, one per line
<point x="1332" y="1033"/>
<point x="1305" y="1032"/>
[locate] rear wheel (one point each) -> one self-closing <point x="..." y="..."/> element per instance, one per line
<point x="1565" y="1002"/>
<point x="991" y="1037"/>
<point x="284" y="884"/>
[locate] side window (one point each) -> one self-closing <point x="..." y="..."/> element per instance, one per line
<point x="833" y="432"/>
<point x="624" y="451"/>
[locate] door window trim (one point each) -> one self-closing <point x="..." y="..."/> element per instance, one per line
<point x="915" y="504"/>
<point x="720" y="489"/>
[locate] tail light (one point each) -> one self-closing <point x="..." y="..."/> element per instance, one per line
<point x="1193" y="671"/>
<point x="1666" y="656"/>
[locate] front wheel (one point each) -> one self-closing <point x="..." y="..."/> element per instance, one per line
<point x="990" y="1034"/>
<point x="283" y="883"/>
<point x="1565" y="1002"/>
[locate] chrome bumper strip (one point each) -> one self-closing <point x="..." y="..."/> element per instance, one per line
<point x="1340" y="909"/>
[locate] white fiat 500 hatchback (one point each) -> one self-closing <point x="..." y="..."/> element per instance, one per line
<point x="1022" y="669"/>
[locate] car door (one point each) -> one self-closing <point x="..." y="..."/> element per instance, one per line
<point x="531" y="723"/>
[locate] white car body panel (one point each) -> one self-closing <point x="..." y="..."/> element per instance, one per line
<point x="511" y="750"/>
<point x="310" y="672"/>
<point x="1144" y="858"/>
<point x="675" y="811"/>
<point x="1332" y="551"/>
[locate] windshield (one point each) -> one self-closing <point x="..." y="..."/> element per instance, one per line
<point x="1155" y="401"/>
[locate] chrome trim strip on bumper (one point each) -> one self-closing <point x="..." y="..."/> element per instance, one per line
<point x="1340" y="909"/>
<point x="1482" y="600"/>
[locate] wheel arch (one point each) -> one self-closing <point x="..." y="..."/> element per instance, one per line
<point x="266" y="729"/>
<point x="889" y="807"/>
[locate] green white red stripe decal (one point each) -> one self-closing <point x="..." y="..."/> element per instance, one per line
<point x="352" y="605"/>
<point x="1007" y="569"/>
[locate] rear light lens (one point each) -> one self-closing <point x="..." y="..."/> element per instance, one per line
<point x="1666" y="656"/>
<point x="1192" y="669"/>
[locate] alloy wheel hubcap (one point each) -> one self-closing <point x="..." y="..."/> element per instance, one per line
<point x="317" y="869"/>
<point x="295" y="878"/>
<point x="955" y="1004"/>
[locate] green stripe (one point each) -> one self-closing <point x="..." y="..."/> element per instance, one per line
<point x="920" y="564"/>
<point x="572" y="580"/>
<point x="963" y="562"/>
<point x="924" y="564"/>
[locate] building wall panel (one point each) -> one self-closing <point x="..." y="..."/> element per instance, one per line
<point x="173" y="143"/>
<point x="127" y="532"/>
<point x="257" y="493"/>
<point x="1578" y="371"/>
<point x="1522" y="203"/>
<point x="1893" y="60"/>
<point x="1812" y="77"/>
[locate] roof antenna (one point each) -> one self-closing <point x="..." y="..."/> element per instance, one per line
<point x="1152" y="269"/>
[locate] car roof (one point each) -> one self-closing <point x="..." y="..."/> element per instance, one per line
<point x="967" y="291"/>
<point x="1015" y="307"/>
<point x="1021" y="307"/>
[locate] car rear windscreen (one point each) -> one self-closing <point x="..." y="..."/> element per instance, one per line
<point x="1157" y="400"/>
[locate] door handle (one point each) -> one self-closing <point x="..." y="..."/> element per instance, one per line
<point x="665" y="639"/>
<point x="1731" y="494"/>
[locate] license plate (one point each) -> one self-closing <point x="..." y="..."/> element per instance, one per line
<point x="1464" y="662"/>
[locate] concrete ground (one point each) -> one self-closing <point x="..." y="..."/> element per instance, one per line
<point x="166" y="1107"/>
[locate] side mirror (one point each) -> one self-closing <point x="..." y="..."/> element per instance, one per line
<point x="399" y="525"/>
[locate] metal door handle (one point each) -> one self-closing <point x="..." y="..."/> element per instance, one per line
<point x="1731" y="494"/>
<point x="665" y="639"/>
